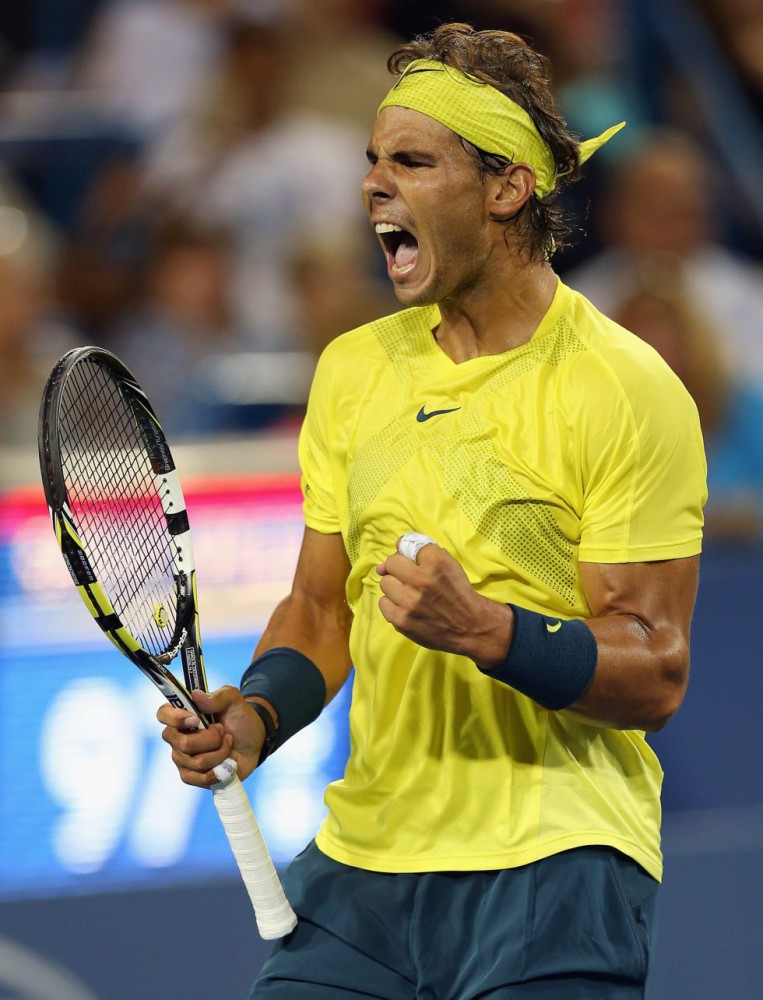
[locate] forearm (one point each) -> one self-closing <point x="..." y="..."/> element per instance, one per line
<point x="320" y="632"/>
<point x="640" y="675"/>
<point x="300" y="663"/>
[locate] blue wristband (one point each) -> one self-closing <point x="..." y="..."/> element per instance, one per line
<point x="292" y="684"/>
<point x="550" y="660"/>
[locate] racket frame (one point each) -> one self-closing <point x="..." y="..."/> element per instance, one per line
<point x="185" y="639"/>
<point x="275" y="918"/>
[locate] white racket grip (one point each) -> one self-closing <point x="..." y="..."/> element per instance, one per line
<point x="275" y="918"/>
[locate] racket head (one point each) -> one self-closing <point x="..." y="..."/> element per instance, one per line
<point x="119" y="515"/>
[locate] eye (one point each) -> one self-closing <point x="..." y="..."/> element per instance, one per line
<point x="412" y="161"/>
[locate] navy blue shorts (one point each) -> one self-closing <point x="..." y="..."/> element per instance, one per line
<point x="574" y="926"/>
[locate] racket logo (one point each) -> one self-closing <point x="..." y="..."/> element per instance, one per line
<point x="160" y="616"/>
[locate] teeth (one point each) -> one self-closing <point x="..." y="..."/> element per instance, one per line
<point x="387" y="227"/>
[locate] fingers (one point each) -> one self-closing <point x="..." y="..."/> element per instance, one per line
<point x="392" y="613"/>
<point x="403" y="604"/>
<point x="179" y="718"/>
<point x="216" y="702"/>
<point x="429" y="600"/>
<point x="408" y="549"/>
<point x="428" y="556"/>
<point x="411" y="543"/>
<point x="196" y="754"/>
<point x="401" y="590"/>
<point x="406" y="586"/>
<point x="404" y="568"/>
<point x="211" y="702"/>
<point x="196" y="751"/>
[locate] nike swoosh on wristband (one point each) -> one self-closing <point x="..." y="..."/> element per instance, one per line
<point x="421" y="416"/>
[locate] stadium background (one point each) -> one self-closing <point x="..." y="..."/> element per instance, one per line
<point x="115" y="879"/>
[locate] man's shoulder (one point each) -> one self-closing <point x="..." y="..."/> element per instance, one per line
<point x="378" y="336"/>
<point x="604" y="338"/>
<point x="614" y="356"/>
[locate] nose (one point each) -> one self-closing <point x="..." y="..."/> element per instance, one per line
<point x="377" y="185"/>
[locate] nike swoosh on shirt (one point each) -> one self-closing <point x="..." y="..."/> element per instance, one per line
<point x="421" y="416"/>
<point x="553" y="628"/>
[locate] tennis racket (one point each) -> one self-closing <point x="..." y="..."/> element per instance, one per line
<point x="121" y="524"/>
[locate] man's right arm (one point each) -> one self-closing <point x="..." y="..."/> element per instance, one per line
<point x="315" y="620"/>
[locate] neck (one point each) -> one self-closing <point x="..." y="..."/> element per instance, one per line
<point x="497" y="316"/>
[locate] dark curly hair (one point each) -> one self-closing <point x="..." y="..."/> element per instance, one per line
<point x="506" y="62"/>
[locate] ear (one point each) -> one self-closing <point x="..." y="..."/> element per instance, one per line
<point x="509" y="191"/>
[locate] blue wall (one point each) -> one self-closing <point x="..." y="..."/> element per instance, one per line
<point x="199" y="941"/>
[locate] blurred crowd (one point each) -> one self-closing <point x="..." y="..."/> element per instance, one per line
<point x="179" y="184"/>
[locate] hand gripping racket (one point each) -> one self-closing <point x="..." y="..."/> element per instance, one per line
<point x="120" y="519"/>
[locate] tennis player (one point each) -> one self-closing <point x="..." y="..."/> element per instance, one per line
<point x="497" y="830"/>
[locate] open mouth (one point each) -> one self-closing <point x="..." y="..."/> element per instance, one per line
<point x="401" y="248"/>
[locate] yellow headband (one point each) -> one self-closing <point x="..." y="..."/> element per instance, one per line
<point x="483" y="116"/>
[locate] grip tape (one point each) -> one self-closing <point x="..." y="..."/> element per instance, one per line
<point x="275" y="918"/>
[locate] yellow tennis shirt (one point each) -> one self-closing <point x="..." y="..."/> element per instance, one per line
<point x="579" y="445"/>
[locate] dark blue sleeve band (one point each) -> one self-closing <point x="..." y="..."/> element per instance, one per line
<point x="292" y="684"/>
<point x="550" y="660"/>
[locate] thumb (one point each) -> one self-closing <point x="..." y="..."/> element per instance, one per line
<point x="215" y="702"/>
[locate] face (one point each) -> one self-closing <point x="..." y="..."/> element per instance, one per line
<point x="426" y="201"/>
<point x="662" y="205"/>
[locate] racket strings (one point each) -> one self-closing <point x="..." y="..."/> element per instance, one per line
<point x="113" y="494"/>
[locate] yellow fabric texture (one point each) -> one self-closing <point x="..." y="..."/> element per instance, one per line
<point x="579" y="445"/>
<point x="483" y="116"/>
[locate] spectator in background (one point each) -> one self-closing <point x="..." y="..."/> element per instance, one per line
<point x="658" y="214"/>
<point x="181" y="320"/>
<point x="336" y="290"/>
<point x="148" y="60"/>
<point x="109" y="241"/>
<point x="242" y="162"/>
<point x="663" y="311"/>
<point x="30" y="339"/>
<point x="739" y="27"/>
<point x="330" y="43"/>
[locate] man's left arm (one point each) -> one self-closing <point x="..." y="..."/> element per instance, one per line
<point x="640" y="619"/>
<point x="641" y="616"/>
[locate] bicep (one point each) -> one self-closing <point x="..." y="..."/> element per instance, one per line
<point x="660" y="594"/>
<point x="315" y="618"/>
<point x="322" y="570"/>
